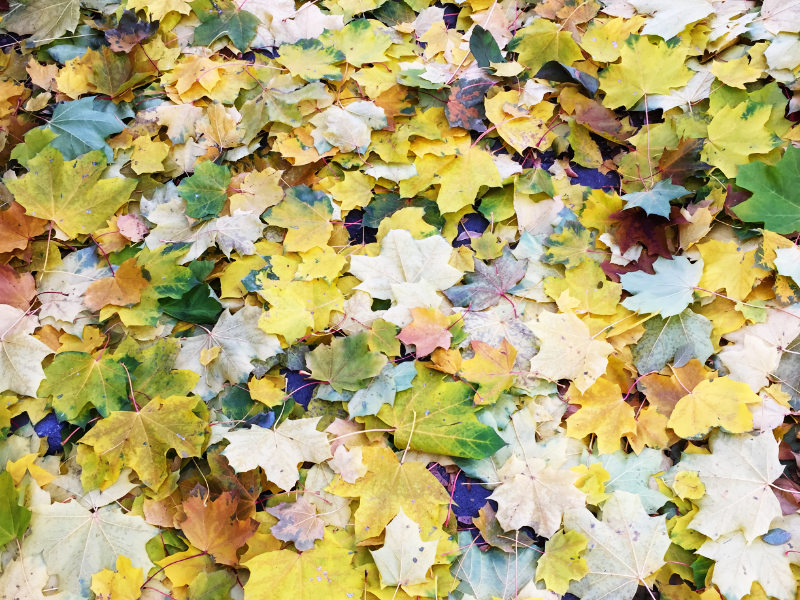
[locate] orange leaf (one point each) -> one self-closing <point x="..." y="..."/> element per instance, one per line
<point x="211" y="526"/>
<point x="123" y="289"/>
<point x="17" y="228"/>
<point x="16" y="289"/>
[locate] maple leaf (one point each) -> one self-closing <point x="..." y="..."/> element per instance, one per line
<point x="76" y="542"/>
<point x="17" y="229"/>
<point x="534" y="494"/>
<point x="757" y="349"/>
<point x="389" y="487"/>
<point x="773" y="201"/>
<point x="567" y="350"/>
<point x="429" y="329"/>
<point x="123" y="288"/>
<point x="737" y="476"/>
<point x="668" y="292"/>
<point x="306" y="215"/>
<point x="22" y="354"/>
<point x="656" y="200"/>
<point x="491" y="368"/>
<point x="405" y="267"/>
<point x="44" y="20"/>
<point x="225" y="353"/>
<point x="404" y="559"/>
<point x="140" y="440"/>
<point x="645" y="68"/>
<point x="634" y="226"/>
<point x="464" y="106"/>
<point x="603" y="413"/>
<point x="347" y="128"/>
<point x="623" y="549"/>
<point x="205" y="191"/>
<point x="129" y="32"/>
<point x="678" y="338"/>
<point x="122" y="584"/>
<point x="16" y="289"/>
<point x="297" y="522"/>
<point x="211" y="526"/>
<point x="669" y="18"/>
<point x="488" y="284"/>
<point x="325" y="571"/>
<point x="224" y="18"/>
<point x="462" y="179"/>
<point x="346" y="364"/>
<point x="278" y="452"/>
<point x="83" y="125"/>
<point x="494" y="574"/>
<point x="664" y="391"/>
<point x="70" y="193"/>
<point x="719" y="402"/>
<point x="739" y="562"/>
<point x="561" y="561"/>
<point x="77" y="379"/>
<point x="735" y="133"/>
<point x="543" y="41"/>
<point x="437" y="416"/>
<point x="14" y="517"/>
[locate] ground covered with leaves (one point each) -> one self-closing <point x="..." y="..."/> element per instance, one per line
<point x="385" y="300"/>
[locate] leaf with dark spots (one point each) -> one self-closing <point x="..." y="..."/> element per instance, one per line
<point x="129" y="32"/>
<point x="464" y="106"/>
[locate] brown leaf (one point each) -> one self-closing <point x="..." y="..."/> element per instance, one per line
<point x="634" y="226"/>
<point x="16" y="289"/>
<point x="682" y="162"/>
<point x="211" y="526"/>
<point x="17" y="228"/>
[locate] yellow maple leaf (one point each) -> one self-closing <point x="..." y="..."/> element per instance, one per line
<point x="602" y="413"/>
<point x="720" y="402"/>
<point x="462" y="179"/>
<point x="647" y="67"/>
<point x="726" y="265"/>
<point x="122" y="584"/>
<point x="491" y="368"/>
<point x="562" y="561"/>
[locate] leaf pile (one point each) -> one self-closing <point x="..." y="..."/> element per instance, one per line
<point x="393" y="300"/>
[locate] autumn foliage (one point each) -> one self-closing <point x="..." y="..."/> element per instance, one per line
<point x="399" y="299"/>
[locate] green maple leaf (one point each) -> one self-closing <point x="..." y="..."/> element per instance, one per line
<point x="774" y="201"/>
<point x="224" y="18"/>
<point x="438" y="416"/>
<point x="205" y="190"/>
<point x="347" y="363"/>
<point x="151" y="369"/>
<point x="76" y="379"/>
<point x="14" y="518"/>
